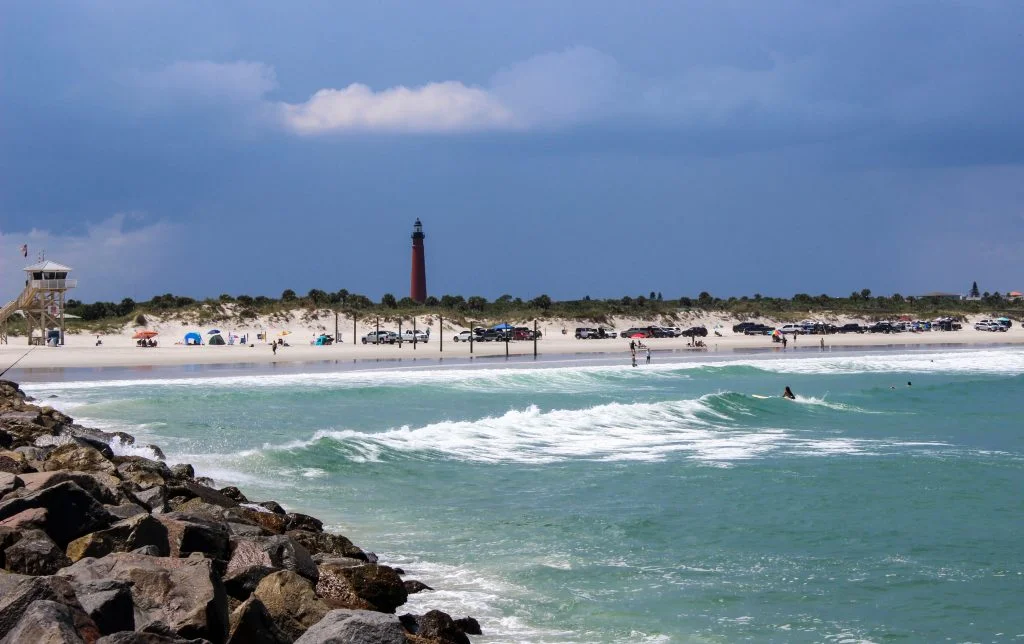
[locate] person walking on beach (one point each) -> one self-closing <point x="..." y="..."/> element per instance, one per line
<point x="632" y="346"/>
<point x="823" y="344"/>
<point x="634" y="358"/>
<point x="648" y="355"/>
<point x="273" y="347"/>
<point x="783" y="342"/>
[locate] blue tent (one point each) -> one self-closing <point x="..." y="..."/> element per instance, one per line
<point x="502" y="326"/>
<point x="193" y="338"/>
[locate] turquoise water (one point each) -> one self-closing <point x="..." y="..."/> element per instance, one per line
<point x="665" y="503"/>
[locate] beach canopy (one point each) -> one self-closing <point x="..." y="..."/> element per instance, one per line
<point x="144" y="335"/>
<point x="502" y="326"/>
<point x="1002" y="319"/>
<point x="283" y="333"/>
<point x="193" y="338"/>
<point x="216" y="339"/>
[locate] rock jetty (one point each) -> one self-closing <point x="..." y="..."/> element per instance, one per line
<point x="97" y="547"/>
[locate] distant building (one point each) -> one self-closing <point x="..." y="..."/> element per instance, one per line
<point x="1015" y="295"/>
<point x="418" y="274"/>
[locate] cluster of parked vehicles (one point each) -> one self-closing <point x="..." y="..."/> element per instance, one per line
<point x="826" y="328"/>
<point x="496" y="334"/>
<point x="586" y="333"/>
<point x="999" y="324"/>
<point x="391" y="337"/>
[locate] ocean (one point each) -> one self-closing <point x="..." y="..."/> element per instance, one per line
<point x="584" y="500"/>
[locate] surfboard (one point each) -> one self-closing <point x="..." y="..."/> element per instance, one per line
<point x="760" y="396"/>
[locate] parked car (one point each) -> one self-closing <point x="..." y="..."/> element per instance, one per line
<point x="409" y="335"/>
<point x="673" y="331"/>
<point x="743" y="326"/>
<point x="463" y="336"/>
<point x="883" y="327"/>
<point x="696" y="332"/>
<point x="585" y="333"/>
<point x="792" y="328"/>
<point x="604" y="333"/>
<point x="636" y="331"/>
<point x="851" y="327"/>
<point x="988" y="325"/>
<point x="380" y="337"/>
<point x="758" y="329"/>
<point x="523" y="333"/>
<point x="495" y="335"/>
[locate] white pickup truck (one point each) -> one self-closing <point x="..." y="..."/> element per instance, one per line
<point x="419" y="336"/>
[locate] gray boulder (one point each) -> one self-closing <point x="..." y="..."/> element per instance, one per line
<point x="124" y="536"/>
<point x="18" y="592"/>
<point x="9" y="483"/>
<point x="355" y="627"/>
<point x="273" y="552"/>
<point x="71" y="511"/>
<point x="240" y="583"/>
<point x="188" y="533"/>
<point x="291" y="602"/>
<point x="34" y="554"/>
<point x="109" y="603"/>
<point x="184" y="594"/>
<point x="326" y="543"/>
<point x="370" y="586"/>
<point x="252" y="624"/>
<point x="50" y="622"/>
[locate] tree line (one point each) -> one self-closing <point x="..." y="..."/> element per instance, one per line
<point x="861" y="302"/>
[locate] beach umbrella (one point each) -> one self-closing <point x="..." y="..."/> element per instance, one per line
<point x="502" y="326"/>
<point x="144" y="335"/>
<point x="284" y="333"/>
<point x="776" y="333"/>
<point x="638" y="335"/>
<point x="213" y="332"/>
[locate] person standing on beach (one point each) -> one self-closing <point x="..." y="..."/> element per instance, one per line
<point x="273" y="347"/>
<point x="634" y="358"/>
<point x="823" y="344"/>
<point x="783" y="342"/>
<point x="648" y="355"/>
<point x="632" y="346"/>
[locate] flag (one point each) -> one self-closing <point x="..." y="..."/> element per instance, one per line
<point x="24" y="250"/>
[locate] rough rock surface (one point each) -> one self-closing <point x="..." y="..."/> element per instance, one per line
<point x="184" y="594"/>
<point x="252" y="624"/>
<point x="291" y="602"/>
<point x="50" y="622"/>
<point x="34" y="554"/>
<point x="109" y="603"/>
<point x="355" y="627"/>
<point x="71" y="511"/>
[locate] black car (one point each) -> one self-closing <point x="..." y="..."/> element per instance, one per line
<point x="851" y="327"/>
<point x="882" y="327"/>
<point x="493" y="335"/>
<point x="743" y="326"/>
<point x="696" y="332"/>
<point x="758" y="329"/>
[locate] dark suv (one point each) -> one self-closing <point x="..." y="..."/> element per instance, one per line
<point x="851" y="327"/>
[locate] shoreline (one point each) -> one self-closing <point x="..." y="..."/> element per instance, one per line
<point x="177" y="370"/>
<point x="119" y="349"/>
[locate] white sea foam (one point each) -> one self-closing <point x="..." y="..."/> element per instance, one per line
<point x="611" y="432"/>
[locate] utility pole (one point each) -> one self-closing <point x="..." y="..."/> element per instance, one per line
<point x="535" y="338"/>
<point x="440" y="332"/>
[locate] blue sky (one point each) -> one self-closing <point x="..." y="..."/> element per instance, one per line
<point x="570" y="148"/>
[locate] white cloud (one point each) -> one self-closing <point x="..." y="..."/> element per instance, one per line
<point x="435" y="107"/>
<point x="109" y="259"/>
<point x="557" y="89"/>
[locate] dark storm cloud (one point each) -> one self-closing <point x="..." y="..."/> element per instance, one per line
<point x="742" y="146"/>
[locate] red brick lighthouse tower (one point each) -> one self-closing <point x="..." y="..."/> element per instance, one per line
<point x="418" y="277"/>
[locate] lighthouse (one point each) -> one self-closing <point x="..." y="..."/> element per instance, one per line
<point x="418" y="275"/>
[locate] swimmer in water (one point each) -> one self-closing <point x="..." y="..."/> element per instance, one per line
<point x="788" y="394"/>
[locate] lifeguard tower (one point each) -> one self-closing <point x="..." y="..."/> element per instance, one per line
<point x="42" y="301"/>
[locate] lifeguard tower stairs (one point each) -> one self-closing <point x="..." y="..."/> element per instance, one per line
<point x="42" y="301"/>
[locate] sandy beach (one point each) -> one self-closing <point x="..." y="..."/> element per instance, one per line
<point x="119" y="350"/>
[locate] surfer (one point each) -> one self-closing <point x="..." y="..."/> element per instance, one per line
<point x="788" y="393"/>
